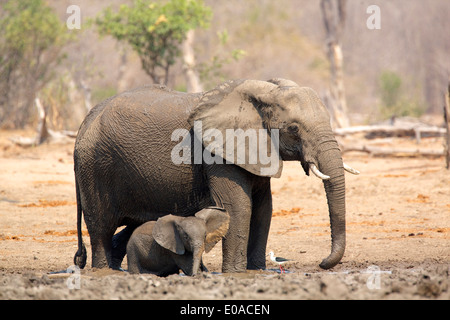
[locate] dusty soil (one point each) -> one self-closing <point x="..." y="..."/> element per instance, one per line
<point x="398" y="235"/>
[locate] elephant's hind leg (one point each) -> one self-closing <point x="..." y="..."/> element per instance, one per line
<point x="101" y="251"/>
<point x="101" y="235"/>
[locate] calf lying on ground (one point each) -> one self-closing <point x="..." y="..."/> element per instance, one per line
<point x="171" y="243"/>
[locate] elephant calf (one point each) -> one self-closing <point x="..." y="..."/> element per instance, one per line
<point x="171" y="243"/>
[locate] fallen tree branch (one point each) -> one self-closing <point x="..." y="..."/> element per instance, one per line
<point x="384" y="131"/>
<point x="394" y="152"/>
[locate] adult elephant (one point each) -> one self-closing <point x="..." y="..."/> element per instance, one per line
<point x="151" y="151"/>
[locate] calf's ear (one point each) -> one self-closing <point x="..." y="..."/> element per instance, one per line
<point x="217" y="222"/>
<point x="166" y="234"/>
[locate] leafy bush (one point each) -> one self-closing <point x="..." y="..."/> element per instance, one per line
<point x="31" y="41"/>
<point x="395" y="101"/>
<point x="211" y="72"/>
<point x="155" y="30"/>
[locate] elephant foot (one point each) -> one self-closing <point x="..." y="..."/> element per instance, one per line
<point x="256" y="267"/>
<point x="256" y="262"/>
<point x="234" y="269"/>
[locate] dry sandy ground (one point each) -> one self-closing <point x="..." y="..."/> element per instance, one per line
<point x="398" y="235"/>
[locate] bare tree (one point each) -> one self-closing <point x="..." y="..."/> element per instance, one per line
<point x="334" y="16"/>
<point x="193" y="83"/>
<point x="447" y="126"/>
<point x="43" y="133"/>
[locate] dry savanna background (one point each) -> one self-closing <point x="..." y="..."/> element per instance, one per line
<point x="383" y="72"/>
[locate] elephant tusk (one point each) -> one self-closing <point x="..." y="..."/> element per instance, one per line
<point x="319" y="174"/>
<point x="350" y="169"/>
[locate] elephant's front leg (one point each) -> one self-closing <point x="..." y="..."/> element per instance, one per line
<point x="119" y="246"/>
<point x="230" y="187"/>
<point x="235" y="243"/>
<point x="259" y="225"/>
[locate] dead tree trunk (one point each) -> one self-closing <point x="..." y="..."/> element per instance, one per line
<point x="121" y="79"/>
<point x="334" y="15"/>
<point x="42" y="131"/>
<point x="44" y="134"/>
<point x="87" y="95"/>
<point x="193" y="83"/>
<point x="447" y="126"/>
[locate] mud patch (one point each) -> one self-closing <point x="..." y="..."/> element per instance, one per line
<point x="421" y="282"/>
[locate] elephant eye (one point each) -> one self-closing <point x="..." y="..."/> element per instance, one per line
<point x="293" y="128"/>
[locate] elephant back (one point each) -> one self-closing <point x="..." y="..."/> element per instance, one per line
<point x="123" y="151"/>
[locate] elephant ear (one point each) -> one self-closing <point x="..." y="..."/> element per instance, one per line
<point x="233" y="123"/>
<point x="217" y="222"/>
<point x="166" y="234"/>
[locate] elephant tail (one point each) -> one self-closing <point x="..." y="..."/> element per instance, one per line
<point x="80" y="256"/>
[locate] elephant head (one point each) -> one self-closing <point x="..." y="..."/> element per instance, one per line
<point x="293" y="121"/>
<point x="188" y="237"/>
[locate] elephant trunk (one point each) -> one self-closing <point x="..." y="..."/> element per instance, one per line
<point x="196" y="261"/>
<point x="330" y="163"/>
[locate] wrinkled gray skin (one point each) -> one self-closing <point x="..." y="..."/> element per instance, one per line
<point x="173" y="243"/>
<point x="125" y="174"/>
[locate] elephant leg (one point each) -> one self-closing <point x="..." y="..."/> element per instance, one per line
<point x="234" y="244"/>
<point x="101" y="250"/>
<point x="203" y="268"/>
<point x="259" y="227"/>
<point x="230" y="187"/>
<point x="101" y="232"/>
<point x="119" y="246"/>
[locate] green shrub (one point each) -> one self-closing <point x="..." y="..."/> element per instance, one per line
<point x="395" y="100"/>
